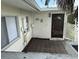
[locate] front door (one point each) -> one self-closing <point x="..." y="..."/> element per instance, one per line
<point x="57" y="25"/>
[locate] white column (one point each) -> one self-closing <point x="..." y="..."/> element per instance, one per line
<point x="76" y="33"/>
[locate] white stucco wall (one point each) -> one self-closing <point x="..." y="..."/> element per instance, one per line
<point x="43" y="29"/>
<point x="18" y="45"/>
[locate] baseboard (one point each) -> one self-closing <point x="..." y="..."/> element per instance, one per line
<point x="40" y="38"/>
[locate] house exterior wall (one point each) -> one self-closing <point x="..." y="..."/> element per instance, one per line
<point x="43" y="29"/>
<point x="41" y="26"/>
<point x="18" y="44"/>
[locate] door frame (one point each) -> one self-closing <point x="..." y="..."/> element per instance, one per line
<point x="53" y="38"/>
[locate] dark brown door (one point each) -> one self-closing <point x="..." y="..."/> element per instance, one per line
<point x="57" y="25"/>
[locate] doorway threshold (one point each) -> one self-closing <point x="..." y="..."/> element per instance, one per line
<point x="56" y="39"/>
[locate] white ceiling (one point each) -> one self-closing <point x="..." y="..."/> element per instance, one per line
<point x="21" y="4"/>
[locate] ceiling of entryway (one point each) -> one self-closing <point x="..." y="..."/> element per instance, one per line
<point x="33" y="5"/>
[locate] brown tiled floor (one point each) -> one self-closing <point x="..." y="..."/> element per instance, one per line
<point x="39" y="45"/>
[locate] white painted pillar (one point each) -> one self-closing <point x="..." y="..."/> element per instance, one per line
<point x="76" y="32"/>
